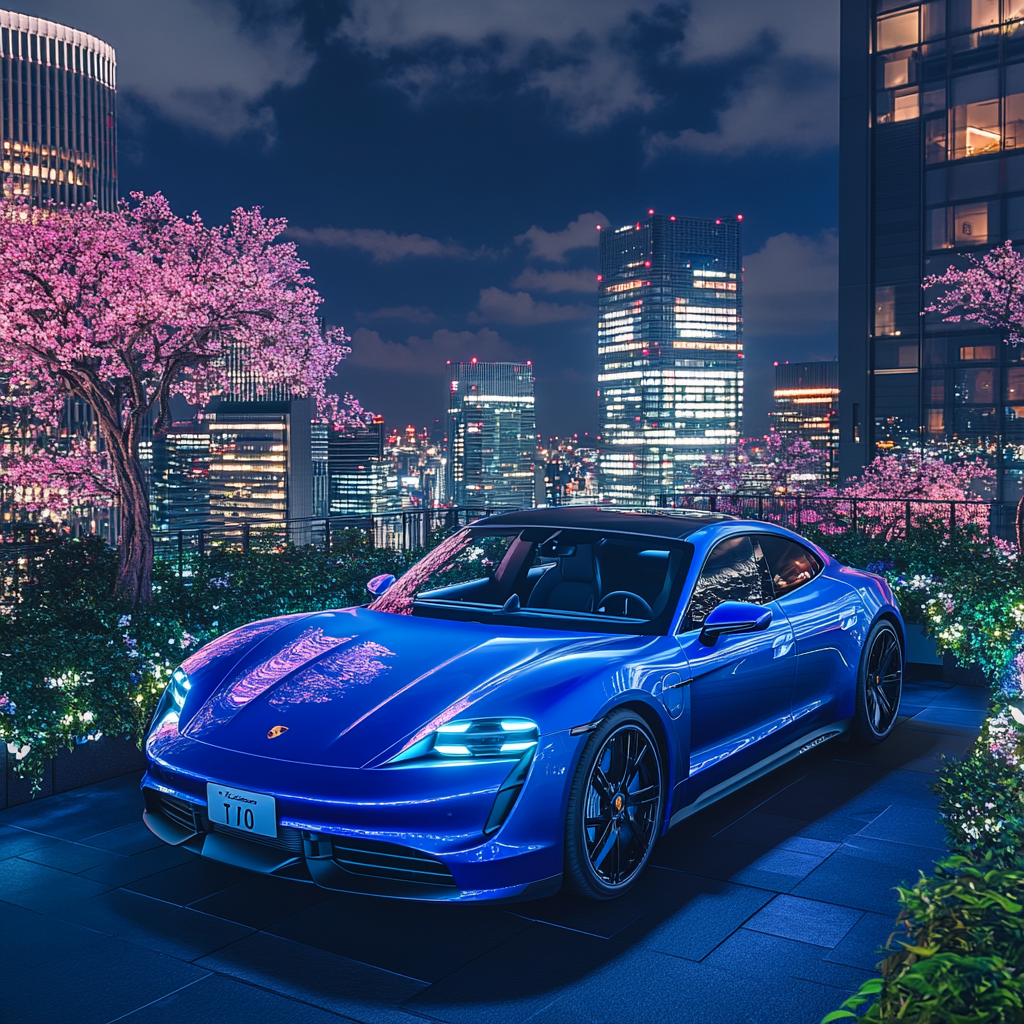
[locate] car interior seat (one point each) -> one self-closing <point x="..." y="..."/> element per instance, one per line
<point x="572" y="583"/>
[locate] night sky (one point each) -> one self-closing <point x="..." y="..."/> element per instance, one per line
<point x="443" y="163"/>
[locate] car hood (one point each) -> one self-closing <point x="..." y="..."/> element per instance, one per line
<point x="342" y="688"/>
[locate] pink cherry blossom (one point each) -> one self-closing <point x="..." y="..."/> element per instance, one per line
<point x="773" y="464"/>
<point x="125" y="309"/>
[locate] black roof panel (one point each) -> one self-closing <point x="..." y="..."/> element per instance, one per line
<point x="671" y="524"/>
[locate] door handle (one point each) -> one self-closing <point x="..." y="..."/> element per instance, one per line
<point x="782" y="645"/>
<point x="675" y="686"/>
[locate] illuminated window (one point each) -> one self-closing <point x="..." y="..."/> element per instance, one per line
<point x="885" y="310"/>
<point x="974" y="117"/>
<point x="897" y="30"/>
<point x="984" y="13"/>
<point x="970" y="224"/>
<point x="978" y="352"/>
<point x="936" y="421"/>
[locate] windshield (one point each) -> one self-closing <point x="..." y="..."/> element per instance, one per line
<point x="581" y="580"/>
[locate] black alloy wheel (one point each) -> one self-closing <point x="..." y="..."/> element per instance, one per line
<point x="879" y="684"/>
<point x="615" y="808"/>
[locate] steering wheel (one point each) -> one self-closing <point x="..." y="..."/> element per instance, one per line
<point x="627" y="596"/>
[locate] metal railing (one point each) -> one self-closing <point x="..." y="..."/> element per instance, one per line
<point x="888" y="518"/>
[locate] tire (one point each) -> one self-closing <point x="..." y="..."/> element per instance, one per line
<point x="616" y="806"/>
<point x="879" y="684"/>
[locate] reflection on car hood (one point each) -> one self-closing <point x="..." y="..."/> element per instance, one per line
<point x="347" y="685"/>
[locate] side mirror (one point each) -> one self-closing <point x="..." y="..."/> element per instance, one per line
<point x="734" y="617"/>
<point x="379" y="584"/>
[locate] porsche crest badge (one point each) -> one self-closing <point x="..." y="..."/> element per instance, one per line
<point x="278" y="730"/>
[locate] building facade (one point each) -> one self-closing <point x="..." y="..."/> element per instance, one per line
<point x="58" y="123"/>
<point x="931" y="170"/>
<point x="807" y="406"/>
<point x="179" y="493"/>
<point x="492" y="434"/>
<point x="261" y="463"/>
<point x="670" y="351"/>
<point x="357" y="470"/>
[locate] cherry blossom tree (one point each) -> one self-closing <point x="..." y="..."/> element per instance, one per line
<point x="773" y="464"/>
<point x="126" y="309"/>
<point x="888" y="482"/>
<point x="990" y="293"/>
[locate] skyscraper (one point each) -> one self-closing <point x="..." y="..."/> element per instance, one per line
<point x="357" y="471"/>
<point x="669" y="350"/>
<point x="931" y="122"/>
<point x="58" y="124"/>
<point x="180" y="488"/>
<point x="807" y="406"/>
<point x="492" y="434"/>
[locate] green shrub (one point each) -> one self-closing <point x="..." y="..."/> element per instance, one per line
<point x="75" y="662"/>
<point x="962" y="955"/>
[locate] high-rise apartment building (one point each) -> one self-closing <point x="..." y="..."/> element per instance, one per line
<point x="931" y="170"/>
<point x="357" y="470"/>
<point x="669" y="349"/>
<point x="180" y="484"/>
<point x="492" y="434"/>
<point x="807" y="406"/>
<point x="58" y="127"/>
<point x="261" y="464"/>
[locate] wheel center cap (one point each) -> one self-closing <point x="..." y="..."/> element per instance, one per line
<point x="618" y="803"/>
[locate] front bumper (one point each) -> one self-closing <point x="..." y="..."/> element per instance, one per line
<point x="412" y="833"/>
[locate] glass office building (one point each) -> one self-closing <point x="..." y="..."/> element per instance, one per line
<point x="58" y="125"/>
<point x="492" y="433"/>
<point x="670" y="351"/>
<point x="807" y="407"/>
<point x="931" y="169"/>
<point x="179" y="494"/>
<point x="357" y="470"/>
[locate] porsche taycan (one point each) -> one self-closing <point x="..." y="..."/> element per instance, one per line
<point x="529" y="707"/>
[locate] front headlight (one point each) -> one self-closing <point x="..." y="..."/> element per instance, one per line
<point x="173" y="698"/>
<point x="475" y="739"/>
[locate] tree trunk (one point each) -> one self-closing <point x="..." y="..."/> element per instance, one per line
<point x="135" y="566"/>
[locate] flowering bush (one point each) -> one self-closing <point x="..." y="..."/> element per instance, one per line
<point x="75" y="661"/>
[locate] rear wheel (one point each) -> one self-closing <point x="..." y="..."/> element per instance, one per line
<point x="879" y="684"/>
<point x="615" y="808"/>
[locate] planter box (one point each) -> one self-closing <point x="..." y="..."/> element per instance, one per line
<point x="95" y="761"/>
<point x="921" y="649"/>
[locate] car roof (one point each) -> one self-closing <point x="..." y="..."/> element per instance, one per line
<point x="670" y="524"/>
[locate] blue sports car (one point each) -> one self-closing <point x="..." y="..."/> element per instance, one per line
<point x="530" y="706"/>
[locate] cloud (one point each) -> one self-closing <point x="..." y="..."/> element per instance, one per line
<point x="791" y="286"/>
<point x="427" y="356"/>
<point x="773" y="109"/>
<point x="383" y="246"/>
<point x="553" y="245"/>
<point x="522" y="310"/>
<point x="572" y="51"/>
<point x="414" y="314"/>
<point x="196" y="62"/>
<point x="553" y="281"/>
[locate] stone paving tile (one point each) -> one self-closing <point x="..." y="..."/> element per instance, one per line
<point x="114" y="911"/>
<point x="220" y="1000"/>
<point x="37" y="887"/>
<point x="864" y="873"/>
<point x="977" y="697"/>
<point x="259" y="902"/>
<point x="317" y="977"/>
<point x="127" y="840"/>
<point x="16" y="841"/>
<point x="762" y="958"/>
<point x="71" y="857"/>
<point x="184" y="934"/>
<point x="97" y="984"/>
<point x="639" y="987"/>
<point x="707" y="919"/>
<point x="914" y="746"/>
<point x="805" y="920"/>
<point x="81" y="813"/>
<point x="188" y="882"/>
<point x="861" y="946"/>
<point x="424" y="941"/>
<point x="966" y="718"/>
<point x="918" y="826"/>
<point x="28" y="939"/>
<point x="122" y="870"/>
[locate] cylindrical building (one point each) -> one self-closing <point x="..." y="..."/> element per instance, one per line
<point x="58" y="125"/>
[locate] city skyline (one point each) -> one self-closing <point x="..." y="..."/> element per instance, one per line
<point x="474" y="246"/>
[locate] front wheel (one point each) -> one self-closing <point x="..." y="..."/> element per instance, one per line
<point x="879" y="684"/>
<point x="615" y="808"/>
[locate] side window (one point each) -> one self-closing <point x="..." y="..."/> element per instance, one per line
<point x="789" y="563"/>
<point x="733" y="572"/>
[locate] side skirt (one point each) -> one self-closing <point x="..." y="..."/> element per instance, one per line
<point x="763" y="767"/>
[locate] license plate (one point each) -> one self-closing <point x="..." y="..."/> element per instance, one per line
<point x="255" y="813"/>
